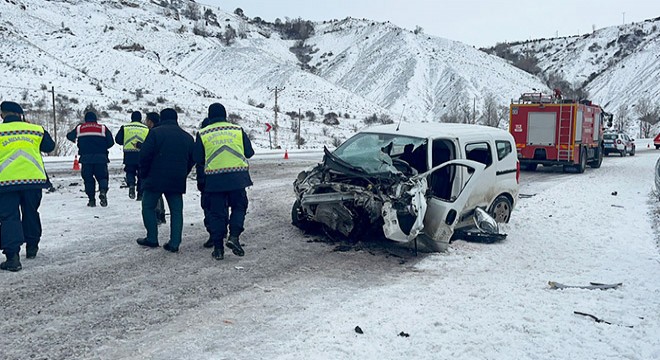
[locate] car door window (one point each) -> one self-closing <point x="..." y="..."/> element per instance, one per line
<point x="504" y="148"/>
<point x="479" y="152"/>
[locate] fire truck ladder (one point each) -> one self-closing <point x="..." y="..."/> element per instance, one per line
<point x="565" y="137"/>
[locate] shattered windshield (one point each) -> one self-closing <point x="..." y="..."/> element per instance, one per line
<point x="373" y="153"/>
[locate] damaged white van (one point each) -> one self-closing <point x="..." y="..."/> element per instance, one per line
<point x="421" y="183"/>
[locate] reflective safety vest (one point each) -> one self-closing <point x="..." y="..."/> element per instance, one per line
<point x="20" y="158"/>
<point x="223" y="145"/>
<point x="134" y="132"/>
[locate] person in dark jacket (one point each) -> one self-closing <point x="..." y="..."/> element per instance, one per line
<point x="22" y="178"/>
<point x="223" y="148"/>
<point x="129" y="136"/>
<point x="153" y="118"/>
<point x="93" y="141"/>
<point x="165" y="162"/>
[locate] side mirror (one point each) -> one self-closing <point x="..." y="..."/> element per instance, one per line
<point x="485" y="222"/>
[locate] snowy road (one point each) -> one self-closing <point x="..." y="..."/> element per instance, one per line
<point x="93" y="293"/>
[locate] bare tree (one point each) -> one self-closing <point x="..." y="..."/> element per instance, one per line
<point x="648" y="114"/>
<point x="490" y="116"/>
<point x="622" y="119"/>
<point x="452" y="115"/>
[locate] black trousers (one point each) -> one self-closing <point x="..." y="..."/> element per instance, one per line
<point x="217" y="205"/>
<point x="133" y="177"/>
<point x="19" y="216"/>
<point x="92" y="173"/>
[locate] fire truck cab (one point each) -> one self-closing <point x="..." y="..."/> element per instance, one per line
<point x="550" y="130"/>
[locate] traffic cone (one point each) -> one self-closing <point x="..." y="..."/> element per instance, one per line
<point x="286" y="154"/>
<point x="76" y="164"/>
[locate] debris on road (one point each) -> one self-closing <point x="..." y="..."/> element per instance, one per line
<point x="599" y="320"/>
<point x="358" y="330"/>
<point x="404" y="334"/>
<point x="591" y="286"/>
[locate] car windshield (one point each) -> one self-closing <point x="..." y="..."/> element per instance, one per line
<point x="373" y="152"/>
<point x="610" y="136"/>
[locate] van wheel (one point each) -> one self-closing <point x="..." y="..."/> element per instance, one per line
<point x="298" y="219"/>
<point x="657" y="147"/>
<point x="500" y="210"/>
<point x="623" y="152"/>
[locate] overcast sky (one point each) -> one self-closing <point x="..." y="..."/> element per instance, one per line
<point x="479" y="23"/>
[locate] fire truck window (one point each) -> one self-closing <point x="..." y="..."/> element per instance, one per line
<point x="504" y="148"/>
<point x="479" y="152"/>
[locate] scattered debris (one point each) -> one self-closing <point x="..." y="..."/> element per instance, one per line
<point x="599" y="320"/>
<point x="74" y="184"/>
<point x="404" y="334"/>
<point x="239" y="267"/>
<point x="525" y="196"/>
<point x="358" y="330"/>
<point x="614" y="193"/>
<point x="591" y="286"/>
<point x="228" y="322"/>
<point x="617" y="206"/>
<point x="342" y="248"/>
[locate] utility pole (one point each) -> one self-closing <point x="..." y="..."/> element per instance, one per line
<point x="624" y="18"/>
<point x="474" y="111"/>
<point x="276" y="108"/>
<point x="52" y="91"/>
<point x="298" y="137"/>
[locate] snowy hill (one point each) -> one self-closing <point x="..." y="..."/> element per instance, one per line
<point x="616" y="65"/>
<point x="125" y="55"/>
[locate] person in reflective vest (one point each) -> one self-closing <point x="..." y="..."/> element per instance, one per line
<point x="221" y="152"/>
<point x="93" y="141"/>
<point x="22" y="178"/>
<point x="129" y="136"/>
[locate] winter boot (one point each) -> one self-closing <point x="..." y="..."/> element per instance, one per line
<point x="91" y="202"/>
<point x="170" y="248"/>
<point x="209" y="243"/>
<point x="235" y="246"/>
<point x="103" y="197"/>
<point x="218" y="253"/>
<point x="147" y="243"/>
<point x="131" y="192"/>
<point x="13" y="263"/>
<point x="31" y="251"/>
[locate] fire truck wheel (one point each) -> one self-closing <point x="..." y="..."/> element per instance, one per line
<point x="599" y="159"/>
<point x="583" y="161"/>
<point x="500" y="210"/>
<point x="530" y="167"/>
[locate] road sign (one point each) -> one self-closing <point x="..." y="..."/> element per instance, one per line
<point x="268" y="127"/>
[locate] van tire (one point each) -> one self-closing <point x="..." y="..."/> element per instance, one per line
<point x="298" y="220"/>
<point x="500" y="209"/>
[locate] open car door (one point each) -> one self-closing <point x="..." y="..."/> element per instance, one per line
<point x="443" y="212"/>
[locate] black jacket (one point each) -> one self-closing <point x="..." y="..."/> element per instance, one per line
<point x="224" y="181"/>
<point x="130" y="158"/>
<point x="47" y="145"/>
<point x="92" y="149"/>
<point x="166" y="158"/>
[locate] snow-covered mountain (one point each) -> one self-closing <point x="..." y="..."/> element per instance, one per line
<point x="616" y="65"/>
<point x="125" y="55"/>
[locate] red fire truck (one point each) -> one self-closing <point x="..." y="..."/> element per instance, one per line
<point x="551" y="130"/>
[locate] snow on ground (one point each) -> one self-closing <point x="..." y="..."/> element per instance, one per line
<point x="296" y="298"/>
